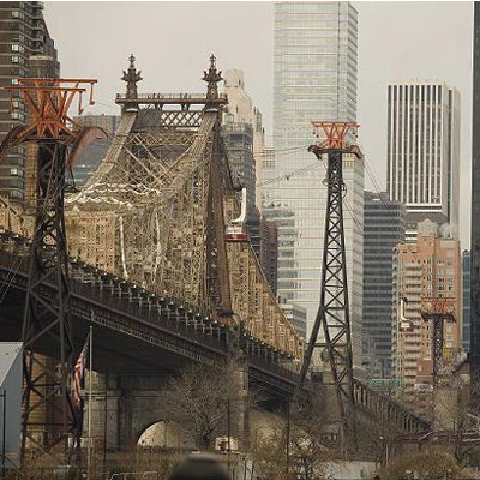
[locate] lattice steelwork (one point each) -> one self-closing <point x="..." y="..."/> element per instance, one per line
<point x="161" y="179"/>
<point x="155" y="212"/>
<point x="439" y="311"/>
<point x="47" y="327"/>
<point x="333" y="311"/>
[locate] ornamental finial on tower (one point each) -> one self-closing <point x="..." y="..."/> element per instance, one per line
<point x="132" y="61"/>
<point x="212" y="77"/>
<point x="131" y="76"/>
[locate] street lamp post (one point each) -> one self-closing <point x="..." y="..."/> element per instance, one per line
<point x="257" y="429"/>
<point x="228" y="434"/>
<point x="288" y="441"/>
<point x="384" y="461"/>
<point x="105" y="425"/>
<point x="4" y="432"/>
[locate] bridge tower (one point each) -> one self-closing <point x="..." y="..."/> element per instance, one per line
<point x="438" y="310"/>
<point x="47" y="328"/>
<point x="333" y="310"/>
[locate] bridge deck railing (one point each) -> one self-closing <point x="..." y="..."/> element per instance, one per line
<point x="164" y="314"/>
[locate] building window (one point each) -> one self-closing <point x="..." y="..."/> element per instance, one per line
<point x="18" y="116"/>
<point x="17" y="59"/>
<point x="15" y="171"/>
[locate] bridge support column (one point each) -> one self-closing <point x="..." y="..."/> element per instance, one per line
<point x="333" y="420"/>
<point x="105" y="411"/>
<point x="241" y="387"/>
<point x="135" y="403"/>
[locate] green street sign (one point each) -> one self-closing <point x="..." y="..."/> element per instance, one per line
<point x="385" y="382"/>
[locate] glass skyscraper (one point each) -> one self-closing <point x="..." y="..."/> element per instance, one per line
<point x="315" y="79"/>
<point x="384" y="228"/>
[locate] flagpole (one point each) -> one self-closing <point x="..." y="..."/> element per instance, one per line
<point x="89" y="460"/>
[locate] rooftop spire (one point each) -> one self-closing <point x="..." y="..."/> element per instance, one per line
<point x="131" y="76"/>
<point x="212" y="77"/>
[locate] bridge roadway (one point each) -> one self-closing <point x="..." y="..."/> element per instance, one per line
<point x="137" y="333"/>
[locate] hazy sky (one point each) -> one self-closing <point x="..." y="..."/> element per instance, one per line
<point x="173" y="40"/>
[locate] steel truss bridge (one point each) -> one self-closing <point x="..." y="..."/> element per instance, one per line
<point x="151" y="264"/>
<point x="163" y="334"/>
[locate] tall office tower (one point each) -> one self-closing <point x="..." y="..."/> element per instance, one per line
<point x="384" y="227"/>
<point x="25" y="44"/>
<point x="266" y="160"/>
<point x="268" y="251"/>
<point x="427" y="268"/>
<point x="296" y="314"/>
<point x="466" y="301"/>
<point x="475" y="223"/>
<point x="243" y="137"/>
<point x="91" y="157"/>
<point x="238" y="140"/>
<point x="243" y="134"/>
<point x="424" y="151"/>
<point x="315" y="78"/>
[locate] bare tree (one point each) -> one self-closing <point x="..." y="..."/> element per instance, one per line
<point x="377" y="437"/>
<point x="208" y="401"/>
<point x="430" y="464"/>
<point x="457" y="412"/>
<point x="308" y="455"/>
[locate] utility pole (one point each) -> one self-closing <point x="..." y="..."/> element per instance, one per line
<point x="90" y="370"/>
<point x="228" y="435"/>
<point x="287" y="446"/>
<point x="105" y="425"/>
<point x="4" y="433"/>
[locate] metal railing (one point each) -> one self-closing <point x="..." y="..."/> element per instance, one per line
<point x="161" y="314"/>
<point x="170" y="96"/>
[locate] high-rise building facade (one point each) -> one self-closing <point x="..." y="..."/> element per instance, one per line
<point x="296" y="314"/>
<point x="243" y="134"/>
<point x="315" y="78"/>
<point x="243" y="137"/>
<point x="93" y="154"/>
<point x="475" y="222"/>
<point x="239" y="132"/>
<point x="238" y="140"/>
<point x="268" y="251"/>
<point x="423" y="148"/>
<point x="429" y="268"/>
<point x="265" y="160"/>
<point x="384" y="222"/>
<point x="466" y="301"/>
<point x="26" y="51"/>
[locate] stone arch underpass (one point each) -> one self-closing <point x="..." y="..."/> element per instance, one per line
<point x="136" y="415"/>
<point x="165" y="434"/>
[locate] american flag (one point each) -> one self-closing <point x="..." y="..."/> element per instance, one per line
<point x="79" y="377"/>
